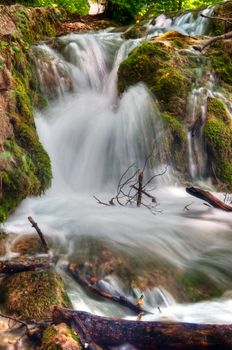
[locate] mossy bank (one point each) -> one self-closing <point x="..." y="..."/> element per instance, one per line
<point x="171" y="72"/>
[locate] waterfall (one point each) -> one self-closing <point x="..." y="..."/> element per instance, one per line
<point x="92" y="135"/>
<point x="188" y="23"/>
<point x="107" y="134"/>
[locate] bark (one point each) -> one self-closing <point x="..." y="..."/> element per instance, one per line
<point x="212" y="40"/>
<point x="146" y="194"/>
<point x="140" y="188"/>
<point x="17" y="265"/>
<point x="209" y="198"/>
<point x="108" y="332"/>
<point x="40" y="233"/>
<point x="74" y="272"/>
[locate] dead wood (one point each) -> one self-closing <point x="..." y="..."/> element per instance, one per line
<point x="209" y="198"/>
<point x="212" y="40"/>
<point x="224" y="19"/>
<point x="140" y="188"/>
<point x="146" y="194"/>
<point x="40" y="233"/>
<point x="29" y="264"/>
<point x="108" y="332"/>
<point x="73" y="270"/>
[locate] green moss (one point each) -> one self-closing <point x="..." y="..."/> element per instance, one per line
<point x="222" y="65"/>
<point x="197" y="286"/>
<point x="218" y="139"/>
<point x="217" y="109"/>
<point x="60" y="337"/>
<point x="33" y="294"/>
<point x="163" y="70"/>
<point x="176" y="142"/>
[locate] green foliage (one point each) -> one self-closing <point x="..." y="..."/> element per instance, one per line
<point x="80" y="6"/>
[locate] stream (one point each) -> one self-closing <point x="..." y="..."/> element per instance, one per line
<point x="92" y="136"/>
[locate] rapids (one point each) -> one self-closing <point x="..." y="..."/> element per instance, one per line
<point x="92" y="136"/>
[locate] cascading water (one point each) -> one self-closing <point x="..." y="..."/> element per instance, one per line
<point x="92" y="136"/>
<point x="187" y="23"/>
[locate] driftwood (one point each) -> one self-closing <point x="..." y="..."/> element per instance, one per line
<point x="20" y="265"/>
<point x="108" y="332"/>
<point x="40" y="233"/>
<point x="73" y="270"/>
<point x="212" y="40"/>
<point x="209" y="198"/>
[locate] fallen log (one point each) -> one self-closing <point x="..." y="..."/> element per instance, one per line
<point x="73" y="270"/>
<point x="28" y="264"/>
<point x="108" y="332"/>
<point x="212" y="40"/>
<point x="209" y="198"/>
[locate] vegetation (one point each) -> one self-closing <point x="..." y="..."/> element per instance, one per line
<point x="80" y="6"/>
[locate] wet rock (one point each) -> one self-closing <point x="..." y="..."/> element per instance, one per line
<point x="218" y="135"/>
<point x="60" y="337"/>
<point x="3" y="238"/>
<point x="224" y="10"/>
<point x="27" y="244"/>
<point x="33" y="294"/>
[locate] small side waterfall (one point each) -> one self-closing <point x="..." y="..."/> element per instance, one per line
<point x="187" y="23"/>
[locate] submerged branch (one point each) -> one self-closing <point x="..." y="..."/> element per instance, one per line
<point x="73" y="270"/>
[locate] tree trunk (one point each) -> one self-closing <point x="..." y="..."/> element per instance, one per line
<point x="108" y="332"/>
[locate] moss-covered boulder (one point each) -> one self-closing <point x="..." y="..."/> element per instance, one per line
<point x="33" y="294"/>
<point x="222" y="10"/>
<point x="218" y="139"/>
<point x="164" y="69"/>
<point x="24" y="164"/>
<point x="176" y="142"/>
<point x="60" y="337"/>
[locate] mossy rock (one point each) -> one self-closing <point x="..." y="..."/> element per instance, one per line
<point x="176" y="142"/>
<point x="3" y="237"/>
<point x="28" y="244"/>
<point x="163" y="69"/>
<point x="218" y="139"/>
<point x="223" y="10"/>
<point x="197" y="286"/>
<point x="60" y="337"/>
<point x="222" y="64"/>
<point x="33" y="294"/>
<point x="136" y="31"/>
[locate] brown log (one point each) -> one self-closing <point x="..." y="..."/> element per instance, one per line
<point x="140" y="188"/>
<point x="20" y="265"/>
<point x="108" y="332"/>
<point x="224" y="19"/>
<point x="40" y="233"/>
<point x="212" y="40"/>
<point x="73" y="270"/>
<point x="209" y="198"/>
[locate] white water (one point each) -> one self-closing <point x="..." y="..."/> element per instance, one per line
<point x="186" y="24"/>
<point x="92" y="137"/>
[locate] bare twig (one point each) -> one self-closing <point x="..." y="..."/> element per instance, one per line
<point x="40" y="233"/>
<point x="187" y="206"/>
<point x="103" y="203"/>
